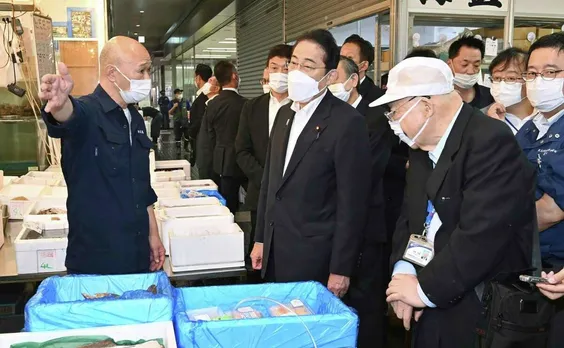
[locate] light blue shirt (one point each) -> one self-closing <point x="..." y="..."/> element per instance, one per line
<point x="404" y="267"/>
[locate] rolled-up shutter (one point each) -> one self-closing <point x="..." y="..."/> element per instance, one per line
<point x="259" y="27"/>
<point x="304" y="15"/>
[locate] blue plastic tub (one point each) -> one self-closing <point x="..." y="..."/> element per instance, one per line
<point x="59" y="303"/>
<point x="207" y="193"/>
<point x="332" y="325"/>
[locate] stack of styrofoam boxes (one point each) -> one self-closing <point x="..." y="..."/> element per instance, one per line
<point x="200" y="237"/>
<point x="197" y="185"/>
<point x="19" y="198"/>
<point x="45" y="251"/>
<point x="168" y="189"/>
<point x="183" y="165"/>
<point x="6" y="180"/>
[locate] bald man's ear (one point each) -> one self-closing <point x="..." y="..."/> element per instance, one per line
<point x="110" y="72"/>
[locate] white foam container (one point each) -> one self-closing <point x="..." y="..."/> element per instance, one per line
<point x="195" y="211"/>
<point x="31" y="180"/>
<point x="168" y="225"/>
<point x="45" y="175"/>
<point x="43" y="255"/>
<point x="187" y="202"/>
<point x="207" y="247"/>
<point x="54" y="169"/>
<point x="51" y="226"/>
<point x="166" y="185"/>
<point x="46" y="203"/>
<point x="163" y="330"/>
<point x="174" y="164"/>
<point x="57" y="192"/>
<point x="17" y="208"/>
<point x="8" y="180"/>
<point x="167" y="192"/>
<point x="205" y="184"/>
<point x="174" y="175"/>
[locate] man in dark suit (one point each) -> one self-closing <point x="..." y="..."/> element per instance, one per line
<point x="204" y="156"/>
<point x="163" y="106"/>
<point x="257" y="119"/>
<point x="202" y="74"/>
<point x="316" y="183"/>
<point x="367" y="293"/>
<point x="222" y="124"/>
<point x="362" y="53"/>
<point x="470" y="205"/>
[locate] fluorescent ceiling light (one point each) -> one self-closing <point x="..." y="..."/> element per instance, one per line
<point x="142" y="39"/>
<point x="230" y="39"/>
<point x="227" y="42"/>
<point x="141" y="11"/>
<point x="135" y="34"/>
<point x="230" y="49"/>
<point x="211" y="56"/>
<point x="138" y="25"/>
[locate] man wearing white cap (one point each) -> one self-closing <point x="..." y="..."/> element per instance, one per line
<point x="469" y="212"/>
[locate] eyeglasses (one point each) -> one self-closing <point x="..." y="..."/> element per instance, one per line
<point x="508" y="80"/>
<point x="304" y="67"/>
<point x="390" y="114"/>
<point x="547" y="75"/>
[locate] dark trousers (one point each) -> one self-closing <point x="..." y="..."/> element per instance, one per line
<point x="229" y="189"/>
<point x="367" y="294"/>
<point x="192" y="150"/>
<point x="253" y="229"/>
<point x="177" y="130"/>
<point x="166" y="118"/>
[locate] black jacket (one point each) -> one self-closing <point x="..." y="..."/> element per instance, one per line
<point x="251" y="144"/>
<point x="196" y="114"/>
<point x="369" y="91"/>
<point x="221" y="127"/>
<point x="311" y="219"/>
<point x="483" y="191"/>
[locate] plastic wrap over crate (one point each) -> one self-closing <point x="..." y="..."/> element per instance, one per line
<point x="205" y="193"/>
<point x="59" y="303"/>
<point x="332" y="324"/>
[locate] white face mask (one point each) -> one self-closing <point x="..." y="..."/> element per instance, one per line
<point x="507" y="94"/>
<point x="301" y="87"/>
<point x="206" y="88"/>
<point x="278" y="82"/>
<point x="545" y="96"/>
<point x="180" y="96"/>
<point x="266" y="88"/>
<point x="138" y="89"/>
<point x="466" y="81"/>
<point x="398" y="131"/>
<point x="339" y="90"/>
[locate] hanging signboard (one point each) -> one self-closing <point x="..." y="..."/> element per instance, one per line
<point x="44" y="50"/>
<point x="539" y="8"/>
<point x="458" y="5"/>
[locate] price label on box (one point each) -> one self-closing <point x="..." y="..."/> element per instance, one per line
<point x="46" y="260"/>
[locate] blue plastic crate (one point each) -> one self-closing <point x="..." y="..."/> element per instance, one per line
<point x="60" y="305"/>
<point x="332" y="325"/>
<point x="207" y="193"/>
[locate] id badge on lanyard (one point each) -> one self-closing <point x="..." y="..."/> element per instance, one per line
<point x="420" y="250"/>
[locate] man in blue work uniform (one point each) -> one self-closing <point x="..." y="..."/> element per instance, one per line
<point x="542" y="140"/>
<point x="105" y="159"/>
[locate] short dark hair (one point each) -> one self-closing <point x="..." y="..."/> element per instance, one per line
<point x="223" y="72"/>
<point x="366" y="48"/>
<point x="204" y="71"/>
<point x="421" y="52"/>
<point x="327" y="42"/>
<point x="555" y="41"/>
<point x="349" y="65"/>
<point x="508" y="56"/>
<point x="466" y="41"/>
<point x="284" y="51"/>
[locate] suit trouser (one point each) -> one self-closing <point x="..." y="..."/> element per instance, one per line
<point x="367" y="294"/>
<point x="177" y="131"/>
<point x="166" y="119"/>
<point x="229" y="189"/>
<point x="253" y="230"/>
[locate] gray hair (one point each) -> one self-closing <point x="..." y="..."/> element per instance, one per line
<point x="349" y="66"/>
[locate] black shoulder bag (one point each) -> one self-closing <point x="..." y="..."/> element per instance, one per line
<point x="515" y="314"/>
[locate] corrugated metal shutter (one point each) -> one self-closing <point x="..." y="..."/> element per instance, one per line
<point x="302" y="16"/>
<point x="259" y="27"/>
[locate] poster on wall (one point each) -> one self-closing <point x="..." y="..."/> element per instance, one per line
<point x="482" y="5"/>
<point x="81" y="22"/>
<point x="43" y="37"/>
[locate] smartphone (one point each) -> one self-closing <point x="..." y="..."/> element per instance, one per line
<point x="532" y="279"/>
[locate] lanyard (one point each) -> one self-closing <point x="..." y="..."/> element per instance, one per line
<point x="429" y="218"/>
<point x="511" y="124"/>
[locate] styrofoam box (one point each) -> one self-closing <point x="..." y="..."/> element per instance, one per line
<point x="198" y="185"/>
<point x="17" y="208"/>
<point x="167" y="193"/>
<point x="39" y="255"/>
<point x="51" y="226"/>
<point x="8" y="180"/>
<point x="174" y="164"/>
<point x="187" y="202"/>
<point x="195" y="211"/>
<point x="169" y="225"/>
<point x="46" y="203"/>
<point x="57" y="192"/>
<point x="45" y="175"/>
<point x="207" y="247"/>
<point x="166" y="185"/>
<point x="31" y="180"/>
<point x="54" y="169"/>
<point x="174" y="175"/>
<point x="163" y="330"/>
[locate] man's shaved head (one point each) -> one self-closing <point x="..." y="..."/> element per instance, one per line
<point x="122" y="49"/>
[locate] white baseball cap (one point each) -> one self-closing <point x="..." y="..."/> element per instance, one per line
<point x="417" y="77"/>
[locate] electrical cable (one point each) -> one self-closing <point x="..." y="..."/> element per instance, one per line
<point x="4" y="44"/>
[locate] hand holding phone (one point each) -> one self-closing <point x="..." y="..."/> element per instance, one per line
<point x="532" y="279"/>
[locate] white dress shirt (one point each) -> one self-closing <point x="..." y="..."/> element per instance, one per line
<point x="357" y="101"/>
<point x="543" y="124"/>
<point x="404" y="267"/>
<point x="515" y="123"/>
<point x="198" y="92"/>
<point x="300" y="121"/>
<point x="128" y="117"/>
<point x="273" y="108"/>
<point x="212" y="98"/>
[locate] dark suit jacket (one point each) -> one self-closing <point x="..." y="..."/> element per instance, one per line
<point x="251" y="144"/>
<point x="311" y="219"/>
<point x="222" y="123"/>
<point x="380" y="133"/>
<point x="196" y="114"/>
<point x="369" y="91"/>
<point x="483" y="191"/>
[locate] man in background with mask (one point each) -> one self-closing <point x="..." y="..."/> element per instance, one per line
<point x="316" y="182"/>
<point x="362" y="53"/>
<point x="264" y="82"/>
<point x="465" y="57"/>
<point x="112" y="225"/>
<point x="179" y="113"/>
<point x="222" y="124"/>
<point x="469" y="202"/>
<point x="508" y="89"/>
<point x="202" y="74"/>
<point x="163" y="106"/>
<point x="257" y="119"/>
<point x="368" y="284"/>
